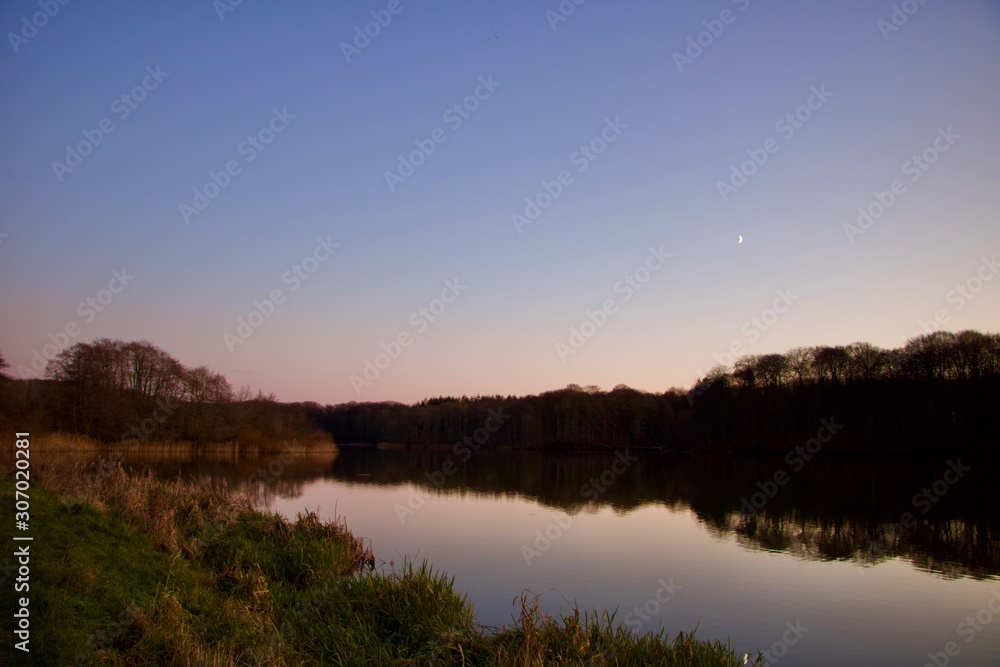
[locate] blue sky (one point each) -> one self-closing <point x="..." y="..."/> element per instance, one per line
<point x="889" y="95"/>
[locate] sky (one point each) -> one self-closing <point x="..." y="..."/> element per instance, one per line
<point x="393" y="200"/>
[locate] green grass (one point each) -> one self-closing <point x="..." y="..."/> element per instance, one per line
<point x="301" y="554"/>
<point x="103" y="591"/>
<point x="88" y="569"/>
<point x="146" y="572"/>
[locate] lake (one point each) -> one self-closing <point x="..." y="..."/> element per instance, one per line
<point x="829" y="561"/>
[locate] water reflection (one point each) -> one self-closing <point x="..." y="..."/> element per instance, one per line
<point x="834" y="508"/>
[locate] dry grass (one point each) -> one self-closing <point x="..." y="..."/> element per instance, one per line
<point x="317" y="443"/>
<point x="170" y="512"/>
<point x="62" y="442"/>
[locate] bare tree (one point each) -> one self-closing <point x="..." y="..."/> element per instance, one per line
<point x="831" y="363"/>
<point x="991" y="357"/>
<point x="971" y="353"/>
<point x="772" y="369"/>
<point x="866" y="361"/>
<point x="800" y="362"/>
<point x="745" y="371"/>
<point x="930" y="355"/>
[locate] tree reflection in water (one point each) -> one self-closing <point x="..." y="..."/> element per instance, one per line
<point x="836" y="508"/>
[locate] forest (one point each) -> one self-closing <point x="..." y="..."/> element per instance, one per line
<point x="938" y="393"/>
<point x="112" y="391"/>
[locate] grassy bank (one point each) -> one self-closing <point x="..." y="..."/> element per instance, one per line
<point x="127" y="569"/>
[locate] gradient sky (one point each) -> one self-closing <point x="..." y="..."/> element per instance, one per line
<point x="323" y="176"/>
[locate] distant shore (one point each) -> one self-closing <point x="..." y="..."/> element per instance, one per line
<point x="67" y="442"/>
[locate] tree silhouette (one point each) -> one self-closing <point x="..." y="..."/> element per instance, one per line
<point x="936" y="393"/>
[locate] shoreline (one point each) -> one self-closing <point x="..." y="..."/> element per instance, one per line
<point x="68" y="443"/>
<point x="285" y="592"/>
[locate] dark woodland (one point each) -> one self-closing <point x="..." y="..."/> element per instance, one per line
<point x="939" y="393"/>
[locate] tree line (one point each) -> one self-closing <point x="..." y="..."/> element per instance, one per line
<point x="938" y="392"/>
<point x="113" y="390"/>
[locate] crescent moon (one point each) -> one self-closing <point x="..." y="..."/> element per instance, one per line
<point x="741" y="239"/>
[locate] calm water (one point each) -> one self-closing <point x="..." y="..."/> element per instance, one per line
<point x="664" y="540"/>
